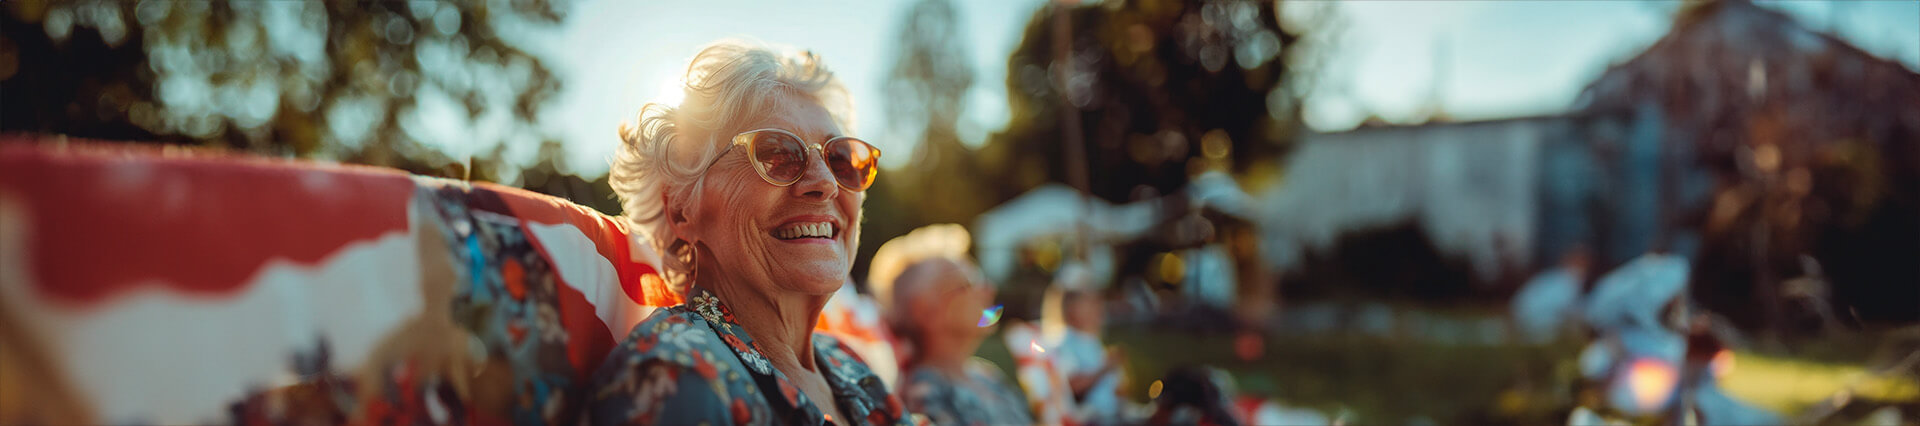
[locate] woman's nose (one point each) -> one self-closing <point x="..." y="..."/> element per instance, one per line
<point x="818" y="181"/>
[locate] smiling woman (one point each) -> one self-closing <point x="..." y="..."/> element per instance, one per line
<point x="753" y="189"/>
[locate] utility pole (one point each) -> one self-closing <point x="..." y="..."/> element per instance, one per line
<point x="1071" y="144"/>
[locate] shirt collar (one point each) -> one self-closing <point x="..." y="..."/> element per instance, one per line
<point x="720" y="317"/>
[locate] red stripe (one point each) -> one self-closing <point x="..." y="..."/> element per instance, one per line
<point x="609" y="235"/>
<point x="105" y="218"/>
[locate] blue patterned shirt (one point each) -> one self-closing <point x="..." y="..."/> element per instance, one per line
<point x="691" y="364"/>
<point x="982" y="399"/>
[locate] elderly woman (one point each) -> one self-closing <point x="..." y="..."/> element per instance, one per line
<point x="752" y="189"/>
<point x="939" y="309"/>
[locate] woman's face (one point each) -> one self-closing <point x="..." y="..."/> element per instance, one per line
<point x="738" y="213"/>
<point x="970" y="296"/>
<point x="1086" y="311"/>
<point x="954" y="295"/>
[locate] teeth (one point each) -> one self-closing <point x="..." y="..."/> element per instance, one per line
<point x="805" y="230"/>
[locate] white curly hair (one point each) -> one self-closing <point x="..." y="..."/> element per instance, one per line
<point x="943" y="241"/>
<point x="664" y="156"/>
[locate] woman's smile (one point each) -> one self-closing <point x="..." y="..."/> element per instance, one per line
<point x="807" y="229"/>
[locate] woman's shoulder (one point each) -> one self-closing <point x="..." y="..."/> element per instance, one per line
<point x="673" y="369"/>
<point x="826" y="342"/>
<point x="667" y="334"/>
<point x="669" y="371"/>
<point x="852" y="373"/>
<point x="920" y="380"/>
<point x="982" y="369"/>
<point x="978" y="369"/>
<point x="981" y="398"/>
<point x="845" y="362"/>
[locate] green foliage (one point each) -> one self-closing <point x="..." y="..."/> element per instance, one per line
<point x="334" y="80"/>
<point x="1162" y="90"/>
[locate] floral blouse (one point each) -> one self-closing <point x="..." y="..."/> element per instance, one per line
<point x="988" y="400"/>
<point x="691" y="364"/>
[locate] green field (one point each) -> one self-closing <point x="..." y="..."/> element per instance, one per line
<point x="1383" y="381"/>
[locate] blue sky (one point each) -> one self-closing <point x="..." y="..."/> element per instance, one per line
<point x="1525" y="57"/>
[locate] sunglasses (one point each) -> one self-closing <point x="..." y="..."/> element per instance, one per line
<point x="781" y="158"/>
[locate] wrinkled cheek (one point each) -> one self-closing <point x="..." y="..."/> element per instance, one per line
<point x="851" y="246"/>
<point x="854" y="215"/>
<point x="748" y="235"/>
<point x="745" y="240"/>
<point x="732" y="193"/>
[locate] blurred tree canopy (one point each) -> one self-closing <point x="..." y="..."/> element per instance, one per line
<point x="357" y="82"/>
<point x="1162" y="90"/>
<point x="930" y="79"/>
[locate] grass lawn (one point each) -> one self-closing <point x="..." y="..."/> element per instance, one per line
<point x="1791" y="386"/>
<point x="1383" y="381"/>
<point x="1374" y="380"/>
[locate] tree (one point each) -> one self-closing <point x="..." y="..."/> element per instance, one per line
<point x="930" y="78"/>
<point x="928" y="81"/>
<point x="1162" y="90"/>
<point x="340" y="80"/>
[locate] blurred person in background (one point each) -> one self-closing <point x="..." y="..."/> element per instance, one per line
<point x="753" y="192"/>
<point x="1073" y="316"/>
<point x="940" y="308"/>
<point x="1549" y="303"/>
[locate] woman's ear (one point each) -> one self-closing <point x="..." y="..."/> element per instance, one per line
<point x="677" y="218"/>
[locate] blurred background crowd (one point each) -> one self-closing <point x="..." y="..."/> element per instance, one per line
<point x="1365" y="212"/>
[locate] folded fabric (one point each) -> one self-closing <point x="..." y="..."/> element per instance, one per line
<point x="141" y="284"/>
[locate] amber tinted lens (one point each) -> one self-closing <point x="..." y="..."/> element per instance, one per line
<point x="780" y="157"/>
<point x="854" y="163"/>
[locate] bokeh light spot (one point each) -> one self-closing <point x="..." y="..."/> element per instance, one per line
<point x="1170" y="267"/>
<point x="1651" y="382"/>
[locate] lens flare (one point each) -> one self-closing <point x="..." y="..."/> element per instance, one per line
<point x="1035" y="346"/>
<point x="1651" y="382"/>
<point x="990" y="316"/>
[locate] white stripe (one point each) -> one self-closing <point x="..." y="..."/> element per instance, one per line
<point x="159" y="356"/>
<point x="579" y="263"/>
